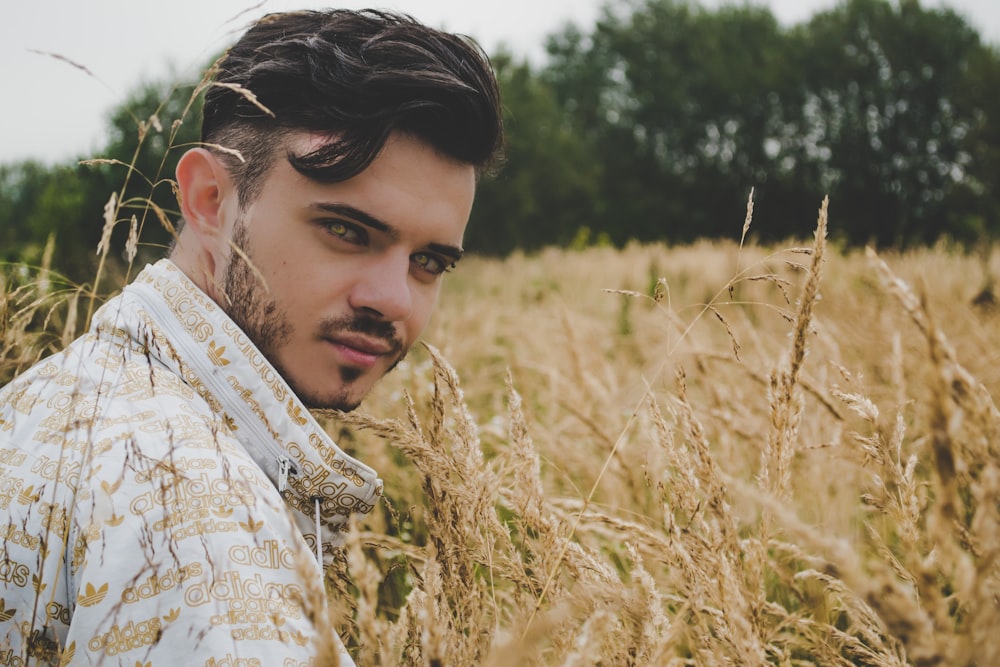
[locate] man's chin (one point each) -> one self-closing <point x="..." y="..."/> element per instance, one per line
<point x="339" y="406"/>
<point x="346" y="396"/>
<point x="355" y="384"/>
<point x="342" y="400"/>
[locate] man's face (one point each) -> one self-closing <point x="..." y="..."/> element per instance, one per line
<point x="343" y="277"/>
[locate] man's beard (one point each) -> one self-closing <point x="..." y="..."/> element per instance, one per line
<point x="266" y="324"/>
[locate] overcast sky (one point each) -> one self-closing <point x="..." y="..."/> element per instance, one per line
<point x="54" y="111"/>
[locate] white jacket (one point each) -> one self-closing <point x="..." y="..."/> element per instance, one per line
<point x="159" y="486"/>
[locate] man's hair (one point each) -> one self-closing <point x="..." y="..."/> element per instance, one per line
<point x="356" y="77"/>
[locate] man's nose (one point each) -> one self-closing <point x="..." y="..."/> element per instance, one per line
<point x="382" y="287"/>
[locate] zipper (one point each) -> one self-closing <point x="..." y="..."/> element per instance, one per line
<point x="284" y="467"/>
<point x="214" y="381"/>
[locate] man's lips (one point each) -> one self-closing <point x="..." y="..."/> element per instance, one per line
<point x="360" y="350"/>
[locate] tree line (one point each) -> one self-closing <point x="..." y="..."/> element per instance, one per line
<point x="651" y="125"/>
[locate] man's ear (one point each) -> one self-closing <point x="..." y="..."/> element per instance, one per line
<point x="209" y="205"/>
<point x="204" y="185"/>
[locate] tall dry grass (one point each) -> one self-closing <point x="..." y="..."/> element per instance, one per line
<point x="719" y="454"/>
<point x="709" y="455"/>
<point x="694" y="456"/>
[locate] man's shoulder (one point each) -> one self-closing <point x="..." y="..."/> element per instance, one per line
<point x="96" y="371"/>
<point x="124" y="410"/>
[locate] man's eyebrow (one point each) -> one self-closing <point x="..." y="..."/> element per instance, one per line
<point x="454" y="253"/>
<point x="357" y="215"/>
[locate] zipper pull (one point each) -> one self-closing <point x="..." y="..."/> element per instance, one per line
<point x="284" y="467"/>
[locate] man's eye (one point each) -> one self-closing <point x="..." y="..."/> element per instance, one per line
<point x="345" y="231"/>
<point x="430" y="263"/>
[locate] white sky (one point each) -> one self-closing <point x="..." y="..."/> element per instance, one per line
<point x="54" y="111"/>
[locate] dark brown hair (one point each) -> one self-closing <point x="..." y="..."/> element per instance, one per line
<point x="356" y="76"/>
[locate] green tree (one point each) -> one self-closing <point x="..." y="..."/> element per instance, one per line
<point x="974" y="201"/>
<point x="686" y="107"/>
<point x="886" y="107"/>
<point x="548" y="185"/>
<point x="37" y="201"/>
<point x="21" y="186"/>
<point x="880" y="118"/>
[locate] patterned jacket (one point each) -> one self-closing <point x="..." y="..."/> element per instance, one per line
<point x="160" y="492"/>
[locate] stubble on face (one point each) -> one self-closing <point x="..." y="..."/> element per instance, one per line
<point x="247" y="301"/>
<point x="267" y="325"/>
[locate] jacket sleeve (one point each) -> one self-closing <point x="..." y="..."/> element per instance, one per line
<point x="185" y="554"/>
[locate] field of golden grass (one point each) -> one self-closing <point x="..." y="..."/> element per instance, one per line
<point x="719" y="454"/>
<point x="708" y="455"/>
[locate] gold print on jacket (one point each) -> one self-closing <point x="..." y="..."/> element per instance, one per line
<point x="116" y="424"/>
<point x="10" y="486"/>
<point x="69" y="411"/>
<point x="92" y="596"/>
<point x="91" y="533"/>
<point x="41" y="645"/>
<point x="187" y="311"/>
<point x="15" y="573"/>
<point x="22" y="402"/>
<point x="60" y="376"/>
<point x="14" y="534"/>
<point x="269" y="633"/>
<point x="135" y="385"/>
<point x="295" y="412"/>
<point x="217" y="353"/>
<point x="231" y="661"/>
<point x="43" y="648"/>
<point x="55" y="519"/>
<point x="264" y="370"/>
<point x="195" y="381"/>
<point x="28" y="496"/>
<point x="315" y="480"/>
<point x="188" y="502"/>
<point x="156" y="584"/>
<point x="164" y="471"/>
<point x="337" y="462"/>
<point x="59" y="470"/>
<point x="247" y="395"/>
<point x="190" y="377"/>
<point x="182" y="426"/>
<point x="68" y="654"/>
<point x="5" y="614"/>
<point x="81" y="445"/>
<point x="270" y="555"/>
<point x="252" y="475"/>
<point x="249" y="601"/>
<point x="57" y="612"/>
<point x="131" y="418"/>
<point x="132" y="635"/>
<point x="292" y="662"/>
<point x="170" y="287"/>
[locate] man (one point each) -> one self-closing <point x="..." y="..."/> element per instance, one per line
<point x="166" y="493"/>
